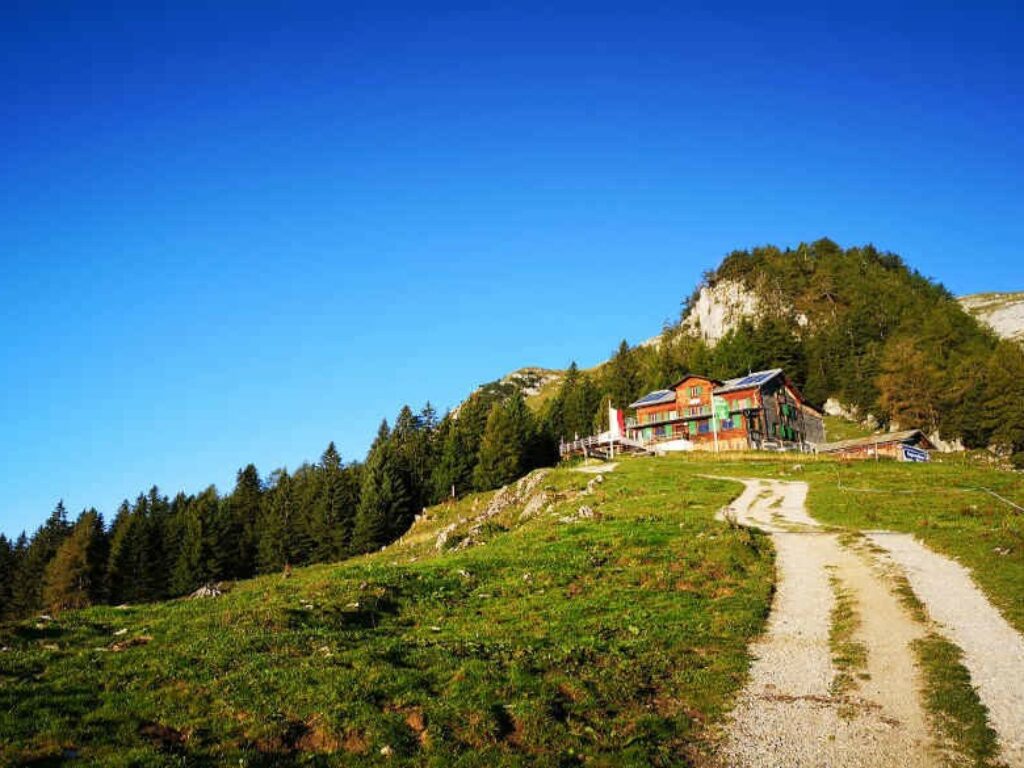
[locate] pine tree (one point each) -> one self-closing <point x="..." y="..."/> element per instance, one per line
<point x="664" y="363"/>
<point x="155" y="570"/>
<point x="622" y="376"/>
<point x="413" y="453"/>
<point x="572" y="410"/>
<point x="18" y="597"/>
<point x="428" y="418"/>
<point x="97" y="555"/>
<point x="244" y="509"/>
<point x="453" y="469"/>
<point x="779" y="347"/>
<point x="505" y="446"/>
<point x="736" y="353"/>
<point x="27" y="589"/>
<point x="330" y="520"/>
<point x="220" y="539"/>
<point x="274" y="524"/>
<point x="472" y="420"/>
<point x="307" y="490"/>
<point x="382" y="436"/>
<point x="283" y="542"/>
<point x="129" y="549"/>
<point x="8" y="565"/>
<point x="190" y="567"/>
<point x="384" y="506"/>
<point x="74" y="577"/>
<point x="1002" y="416"/>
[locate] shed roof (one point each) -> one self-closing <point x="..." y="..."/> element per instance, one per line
<point x="906" y="436"/>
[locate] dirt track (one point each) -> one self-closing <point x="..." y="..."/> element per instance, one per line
<point x="791" y="712"/>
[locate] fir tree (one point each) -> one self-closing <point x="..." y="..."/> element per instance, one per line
<point x="8" y="566"/>
<point x="572" y="410"/>
<point x="283" y="542"/>
<point x="190" y="568"/>
<point x="453" y="471"/>
<point x="412" y="447"/>
<point x="1002" y="415"/>
<point x="128" y="551"/>
<point x="330" y="520"/>
<point x="28" y="586"/>
<point x="384" y="508"/>
<point x="74" y="576"/>
<point x="501" y="451"/>
<point x="154" y="570"/>
<point x="622" y="376"/>
<point x="16" y="601"/>
<point x="244" y="509"/>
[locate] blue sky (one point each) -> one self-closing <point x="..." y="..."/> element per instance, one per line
<point x="233" y="231"/>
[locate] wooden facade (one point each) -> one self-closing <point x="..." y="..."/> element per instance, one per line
<point x="760" y="410"/>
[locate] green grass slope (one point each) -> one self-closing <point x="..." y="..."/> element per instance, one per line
<point x="837" y="428"/>
<point x="947" y="503"/>
<point x="618" y="638"/>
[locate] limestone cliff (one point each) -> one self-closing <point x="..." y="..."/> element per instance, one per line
<point x="1002" y="312"/>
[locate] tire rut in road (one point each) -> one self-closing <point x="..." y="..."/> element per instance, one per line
<point x="788" y="715"/>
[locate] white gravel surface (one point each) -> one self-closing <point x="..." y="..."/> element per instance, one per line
<point x="787" y="715"/>
<point x="993" y="650"/>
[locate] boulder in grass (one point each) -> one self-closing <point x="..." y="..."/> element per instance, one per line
<point x="207" y="590"/>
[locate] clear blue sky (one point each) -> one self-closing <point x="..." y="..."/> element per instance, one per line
<point x="233" y="231"/>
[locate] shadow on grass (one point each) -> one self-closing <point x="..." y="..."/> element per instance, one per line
<point x="361" y="616"/>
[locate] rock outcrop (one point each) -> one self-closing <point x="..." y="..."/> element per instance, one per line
<point x="720" y="308"/>
<point x="517" y="493"/>
<point x="531" y="381"/>
<point x="1002" y="312"/>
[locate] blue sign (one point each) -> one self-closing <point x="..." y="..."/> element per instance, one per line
<point x="910" y="453"/>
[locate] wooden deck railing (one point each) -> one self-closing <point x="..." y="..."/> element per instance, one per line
<point x="599" y="443"/>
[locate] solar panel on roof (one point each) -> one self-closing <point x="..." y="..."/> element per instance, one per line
<point x="756" y="378"/>
<point x="654" y="396"/>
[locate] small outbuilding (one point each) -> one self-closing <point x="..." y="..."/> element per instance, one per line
<point x="908" y="445"/>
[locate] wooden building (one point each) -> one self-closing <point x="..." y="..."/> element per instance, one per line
<point x="760" y="410"/>
<point x="908" y="445"/>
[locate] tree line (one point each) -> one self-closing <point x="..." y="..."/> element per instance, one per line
<point x="158" y="547"/>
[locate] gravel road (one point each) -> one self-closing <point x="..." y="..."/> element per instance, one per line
<point x="993" y="650"/>
<point x="789" y="715"/>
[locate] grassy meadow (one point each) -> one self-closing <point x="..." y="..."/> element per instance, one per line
<point x="615" y="637"/>
<point x="837" y="428"/>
